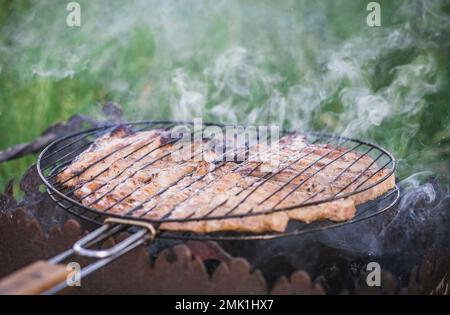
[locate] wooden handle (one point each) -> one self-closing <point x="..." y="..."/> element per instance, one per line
<point x="33" y="279"/>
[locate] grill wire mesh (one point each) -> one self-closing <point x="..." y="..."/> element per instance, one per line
<point x="57" y="156"/>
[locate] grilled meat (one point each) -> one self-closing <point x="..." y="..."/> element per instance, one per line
<point x="138" y="174"/>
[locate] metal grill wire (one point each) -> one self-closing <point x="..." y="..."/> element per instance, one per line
<point x="55" y="158"/>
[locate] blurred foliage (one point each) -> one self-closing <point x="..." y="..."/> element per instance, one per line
<point x="303" y="64"/>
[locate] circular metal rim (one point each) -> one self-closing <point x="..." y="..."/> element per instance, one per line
<point x="49" y="186"/>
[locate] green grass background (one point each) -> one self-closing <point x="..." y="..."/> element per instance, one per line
<point x="303" y="64"/>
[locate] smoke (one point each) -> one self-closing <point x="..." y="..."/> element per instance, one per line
<point x="303" y="65"/>
<point x="189" y="98"/>
<point x="417" y="223"/>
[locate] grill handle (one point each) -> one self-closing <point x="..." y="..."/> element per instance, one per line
<point x="147" y="231"/>
<point x="49" y="277"/>
<point x="34" y="279"/>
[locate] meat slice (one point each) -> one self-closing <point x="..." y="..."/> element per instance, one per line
<point x="138" y="164"/>
<point x="251" y="195"/>
<point x="219" y="199"/>
<point x="118" y="196"/>
<point x="110" y="154"/>
<point x="326" y="170"/>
